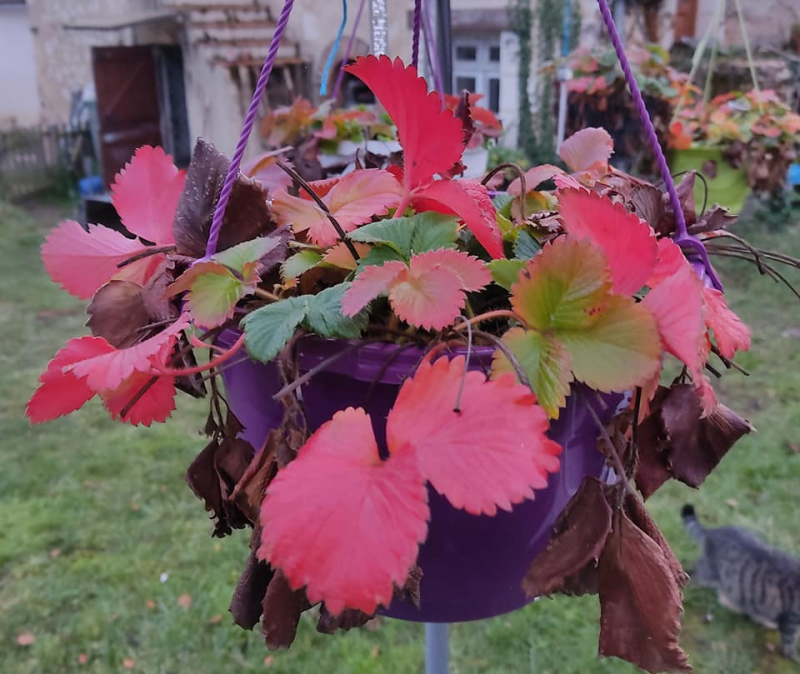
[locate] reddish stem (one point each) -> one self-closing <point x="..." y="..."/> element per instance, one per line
<point x="214" y="362"/>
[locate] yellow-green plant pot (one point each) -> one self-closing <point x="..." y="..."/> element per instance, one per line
<point x="727" y="186"/>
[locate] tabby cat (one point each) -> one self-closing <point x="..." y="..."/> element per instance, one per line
<point x="749" y="576"/>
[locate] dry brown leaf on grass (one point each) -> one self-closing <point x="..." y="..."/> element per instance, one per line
<point x="185" y="600"/>
<point x="25" y="639"/>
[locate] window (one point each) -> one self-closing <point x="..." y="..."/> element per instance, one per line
<point x="476" y="66"/>
<point x="494" y="94"/>
<point x="466" y="53"/>
<point x="467" y="83"/>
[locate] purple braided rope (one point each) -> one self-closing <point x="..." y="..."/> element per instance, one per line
<point x="430" y="49"/>
<point x="247" y="127"/>
<point x="683" y="237"/>
<point x="348" y="52"/>
<point x="417" y="29"/>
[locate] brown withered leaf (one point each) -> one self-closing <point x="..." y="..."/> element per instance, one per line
<point x="652" y="467"/>
<point x="676" y="441"/>
<point x="250" y="490"/>
<point x="698" y="444"/>
<point x="640" y="601"/>
<point x="347" y="620"/>
<point x="118" y="314"/>
<point x="647" y="203"/>
<point x="410" y="589"/>
<point x="246" y="217"/>
<point x="634" y="508"/>
<point x="568" y="564"/>
<point x="464" y="115"/>
<point x="214" y="473"/>
<point x="281" y="614"/>
<point x="718" y="217"/>
<point x="248" y="597"/>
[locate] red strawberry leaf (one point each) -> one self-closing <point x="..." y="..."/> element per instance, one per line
<point x="146" y="193"/>
<point x="491" y="453"/>
<point x="376" y="515"/>
<point x="432" y="138"/>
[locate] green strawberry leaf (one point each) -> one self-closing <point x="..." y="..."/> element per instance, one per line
<point x="576" y="327"/>
<point x="545" y="362"/>
<point x="299" y="263"/>
<point x="411" y="235"/>
<point x="505" y="273"/>
<point x="268" y="329"/>
<point x="620" y="350"/>
<point x="525" y="246"/>
<point x="324" y="315"/>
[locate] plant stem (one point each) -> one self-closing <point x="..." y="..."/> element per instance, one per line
<point x="266" y="295"/>
<point x="618" y="467"/>
<point x="214" y="362"/>
<point x="147" y="252"/>
<point x="520" y="174"/>
<point x="488" y="316"/>
<point x="302" y="182"/>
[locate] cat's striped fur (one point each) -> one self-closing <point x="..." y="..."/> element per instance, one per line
<point x="749" y="576"/>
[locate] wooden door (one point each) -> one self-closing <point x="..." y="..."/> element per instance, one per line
<point x="127" y="104"/>
<point x="685" y="22"/>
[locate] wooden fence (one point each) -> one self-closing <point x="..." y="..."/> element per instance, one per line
<point x="36" y="159"/>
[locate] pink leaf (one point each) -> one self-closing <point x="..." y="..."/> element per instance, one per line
<point x="491" y="453"/>
<point x="472" y="273"/>
<point x="361" y="194"/>
<point x="156" y="404"/>
<point x="670" y="260"/>
<point x="374" y="515"/>
<point x="61" y="392"/>
<point x="369" y="284"/>
<point x="677" y="304"/>
<point x="352" y="200"/>
<point x="107" y="372"/>
<point x="534" y="176"/>
<point x="430" y="300"/>
<point x="628" y="242"/>
<point x="587" y="150"/>
<point x="730" y="333"/>
<point x="468" y="200"/>
<point x="432" y="138"/>
<point x="146" y="193"/>
<point x="81" y="261"/>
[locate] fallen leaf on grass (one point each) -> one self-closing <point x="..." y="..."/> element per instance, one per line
<point x="127" y="663"/>
<point x="793" y="447"/>
<point x="215" y="619"/>
<point x="25" y="639"/>
<point x="83" y="658"/>
<point x="269" y="660"/>
<point x="375" y="652"/>
<point x="150" y="604"/>
<point x="732" y="502"/>
<point x="55" y="552"/>
<point x="185" y="600"/>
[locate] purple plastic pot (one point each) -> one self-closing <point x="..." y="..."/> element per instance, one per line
<point x="472" y="565"/>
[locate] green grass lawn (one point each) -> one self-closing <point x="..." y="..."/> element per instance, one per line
<point x="100" y="535"/>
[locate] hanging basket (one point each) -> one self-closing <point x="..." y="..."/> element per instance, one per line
<point x="727" y="185"/>
<point x="472" y="566"/>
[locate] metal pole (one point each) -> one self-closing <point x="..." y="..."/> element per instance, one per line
<point x="444" y="33"/>
<point x="437" y="648"/>
<point x="379" y="25"/>
<point x="564" y="73"/>
<point x="619" y="18"/>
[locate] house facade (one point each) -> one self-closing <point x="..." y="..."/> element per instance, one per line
<point x="170" y="70"/>
<point x="19" y="102"/>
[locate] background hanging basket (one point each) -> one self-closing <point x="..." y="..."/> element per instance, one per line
<point x="727" y="185"/>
